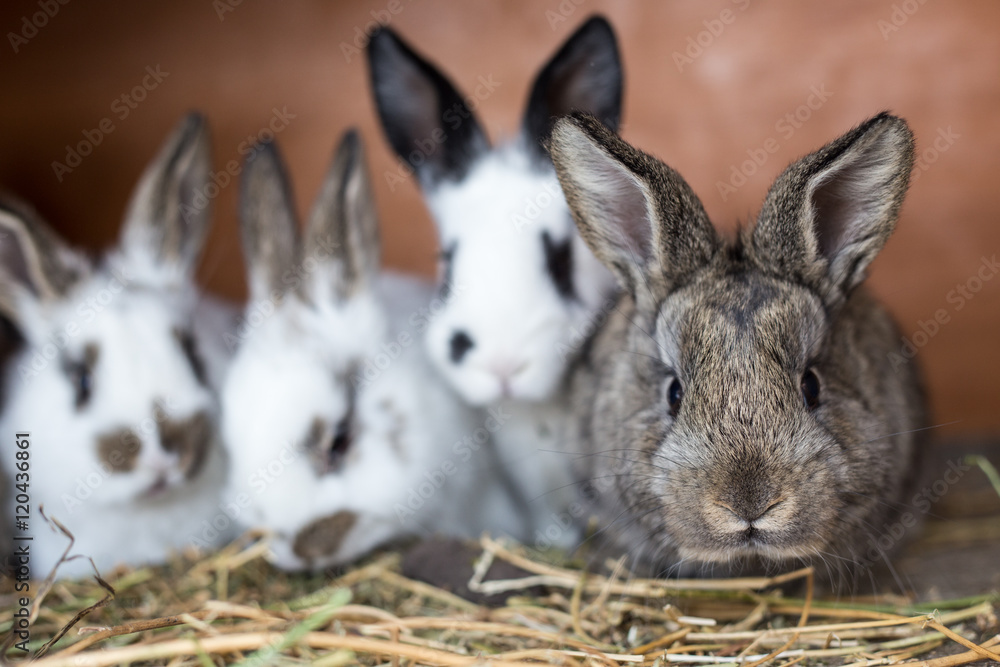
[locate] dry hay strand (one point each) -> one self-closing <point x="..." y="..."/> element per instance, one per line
<point x="231" y="607"/>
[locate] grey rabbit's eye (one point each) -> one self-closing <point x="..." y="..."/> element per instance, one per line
<point x="675" y="393"/>
<point x="810" y="389"/>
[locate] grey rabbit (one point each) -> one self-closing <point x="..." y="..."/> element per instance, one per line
<point x="744" y="407"/>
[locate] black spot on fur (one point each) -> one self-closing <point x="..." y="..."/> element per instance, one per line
<point x="190" y="349"/>
<point x="559" y="262"/>
<point x="460" y="344"/>
<point x="447" y="259"/>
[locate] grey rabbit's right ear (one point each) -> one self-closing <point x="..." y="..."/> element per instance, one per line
<point x="35" y="264"/>
<point x="269" y="229"/>
<point x="584" y="75"/>
<point x="637" y="215"/>
<point x="829" y="214"/>
<point x="425" y="118"/>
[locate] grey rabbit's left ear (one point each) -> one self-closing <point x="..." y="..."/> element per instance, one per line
<point x="343" y="223"/>
<point x="637" y="215"/>
<point x="829" y="214"/>
<point x="168" y="216"/>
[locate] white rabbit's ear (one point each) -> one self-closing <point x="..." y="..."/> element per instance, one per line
<point x="36" y="266"/>
<point x="268" y="225"/>
<point x="584" y="75"/>
<point x="343" y="224"/>
<point x="829" y="214"/>
<point x="168" y="215"/>
<point x="637" y="215"/>
<point x="425" y="118"/>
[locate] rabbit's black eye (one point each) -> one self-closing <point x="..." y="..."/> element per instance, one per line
<point x="675" y="393"/>
<point x="810" y="389"/>
<point x="190" y="349"/>
<point x="84" y="384"/>
<point x="446" y="260"/>
<point x="81" y="374"/>
<point x="342" y="439"/>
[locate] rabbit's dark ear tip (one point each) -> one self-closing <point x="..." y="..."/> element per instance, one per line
<point x="596" y="22"/>
<point x="383" y="38"/>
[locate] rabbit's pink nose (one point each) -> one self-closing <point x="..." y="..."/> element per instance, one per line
<point x="507" y="368"/>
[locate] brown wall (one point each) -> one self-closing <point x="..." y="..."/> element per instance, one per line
<point x="940" y="69"/>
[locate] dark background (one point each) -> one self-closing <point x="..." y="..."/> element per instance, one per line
<point x="937" y="64"/>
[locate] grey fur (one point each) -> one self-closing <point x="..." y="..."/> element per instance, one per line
<point x="170" y="212"/>
<point x="34" y="262"/>
<point x="341" y="234"/>
<point x="345" y="217"/>
<point x="746" y="476"/>
<point x="269" y="228"/>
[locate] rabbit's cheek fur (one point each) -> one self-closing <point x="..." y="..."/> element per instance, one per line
<point x="518" y="283"/>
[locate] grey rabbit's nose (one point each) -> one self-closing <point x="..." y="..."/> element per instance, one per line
<point x="750" y="509"/>
<point x="460" y="344"/>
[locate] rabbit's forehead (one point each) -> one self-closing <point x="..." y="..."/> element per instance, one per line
<point x="742" y="312"/>
<point x="129" y="318"/>
<point x="504" y="197"/>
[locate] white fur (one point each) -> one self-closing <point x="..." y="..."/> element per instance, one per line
<point x="491" y="207"/>
<point x="294" y="367"/>
<point x="135" y="309"/>
<point x="115" y="517"/>
<point x="524" y="331"/>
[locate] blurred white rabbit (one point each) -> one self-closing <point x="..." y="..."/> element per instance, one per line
<point x="341" y="435"/>
<point x="114" y="379"/>
<point x="520" y="288"/>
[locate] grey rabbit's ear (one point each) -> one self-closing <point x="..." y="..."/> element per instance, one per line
<point x="343" y="224"/>
<point x="419" y="107"/>
<point x="168" y="215"/>
<point x="637" y="215"/>
<point x="828" y="214"/>
<point x="35" y="264"/>
<point x="584" y="75"/>
<point x="268" y="226"/>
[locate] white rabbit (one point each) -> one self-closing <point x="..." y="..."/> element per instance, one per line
<point x="521" y="289"/>
<point x="341" y="436"/>
<point x="111" y="381"/>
